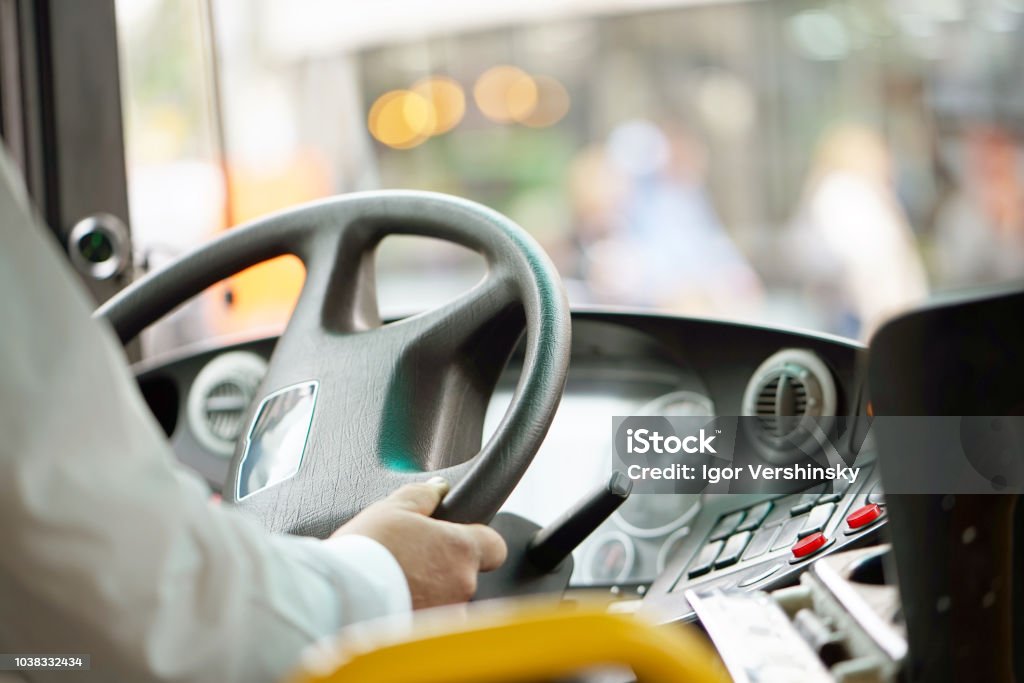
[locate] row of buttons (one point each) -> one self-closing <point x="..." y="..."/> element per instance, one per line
<point x="795" y="522"/>
<point x="858" y="519"/>
<point x="719" y="553"/>
<point x="741" y="520"/>
<point x="818" y="496"/>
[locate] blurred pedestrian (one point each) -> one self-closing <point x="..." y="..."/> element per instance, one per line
<point x="850" y="244"/>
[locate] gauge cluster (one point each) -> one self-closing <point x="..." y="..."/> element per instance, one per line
<point x="637" y="542"/>
<point x="633" y="546"/>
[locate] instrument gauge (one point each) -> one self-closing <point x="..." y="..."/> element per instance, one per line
<point x="680" y="404"/>
<point x="656" y="514"/>
<point x="611" y="559"/>
<point x="671" y="547"/>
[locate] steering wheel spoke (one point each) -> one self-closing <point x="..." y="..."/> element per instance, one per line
<point x="449" y="361"/>
<point x="468" y="321"/>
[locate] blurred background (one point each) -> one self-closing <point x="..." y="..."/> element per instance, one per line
<point x="812" y="164"/>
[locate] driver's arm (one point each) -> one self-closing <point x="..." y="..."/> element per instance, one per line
<point x="109" y="548"/>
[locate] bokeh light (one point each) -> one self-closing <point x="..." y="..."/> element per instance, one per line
<point x="820" y="35"/>
<point x="446" y="97"/>
<point x="402" y="119"/>
<point x="552" y="103"/>
<point x="506" y="94"/>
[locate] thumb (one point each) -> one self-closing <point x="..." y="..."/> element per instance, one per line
<point x="422" y="498"/>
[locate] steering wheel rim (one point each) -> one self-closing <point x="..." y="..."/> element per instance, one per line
<point x="434" y="363"/>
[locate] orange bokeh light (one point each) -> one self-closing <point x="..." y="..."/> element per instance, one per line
<point x="402" y="119"/>
<point x="446" y="97"/>
<point x="552" y="103"/>
<point x="505" y="94"/>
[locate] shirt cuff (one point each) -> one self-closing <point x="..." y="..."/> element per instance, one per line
<point x="369" y="569"/>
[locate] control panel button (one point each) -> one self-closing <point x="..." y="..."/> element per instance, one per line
<point x="809" y="545"/>
<point x="734" y="547"/>
<point x="780" y="510"/>
<point x="788" y="534"/>
<point x="807" y="501"/>
<point x="705" y="559"/>
<point x="755" y="516"/>
<point x="864" y="515"/>
<point x="817" y="520"/>
<point x="760" y="575"/>
<point x="761" y="541"/>
<point x="840" y="488"/>
<point x="726" y="526"/>
<point x="877" y="495"/>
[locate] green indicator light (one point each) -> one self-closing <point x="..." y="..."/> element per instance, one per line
<point x="96" y="247"/>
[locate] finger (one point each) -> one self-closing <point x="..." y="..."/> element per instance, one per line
<point x="423" y="497"/>
<point x="491" y="545"/>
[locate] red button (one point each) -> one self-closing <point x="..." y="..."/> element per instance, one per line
<point x="809" y="545"/>
<point x="863" y="516"/>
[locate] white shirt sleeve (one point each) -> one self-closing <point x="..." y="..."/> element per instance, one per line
<point x="107" y="546"/>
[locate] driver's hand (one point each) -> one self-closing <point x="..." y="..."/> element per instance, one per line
<point x="441" y="560"/>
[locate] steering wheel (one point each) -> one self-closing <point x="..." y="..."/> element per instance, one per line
<point x="351" y="408"/>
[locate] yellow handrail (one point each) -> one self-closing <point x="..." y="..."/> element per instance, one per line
<point x="509" y="642"/>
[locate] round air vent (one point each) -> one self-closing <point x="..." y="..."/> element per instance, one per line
<point x="786" y="393"/>
<point x="219" y="399"/>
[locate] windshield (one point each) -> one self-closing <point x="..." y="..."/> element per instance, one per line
<point x="813" y="164"/>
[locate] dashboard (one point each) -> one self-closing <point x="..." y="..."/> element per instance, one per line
<point x="622" y="364"/>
